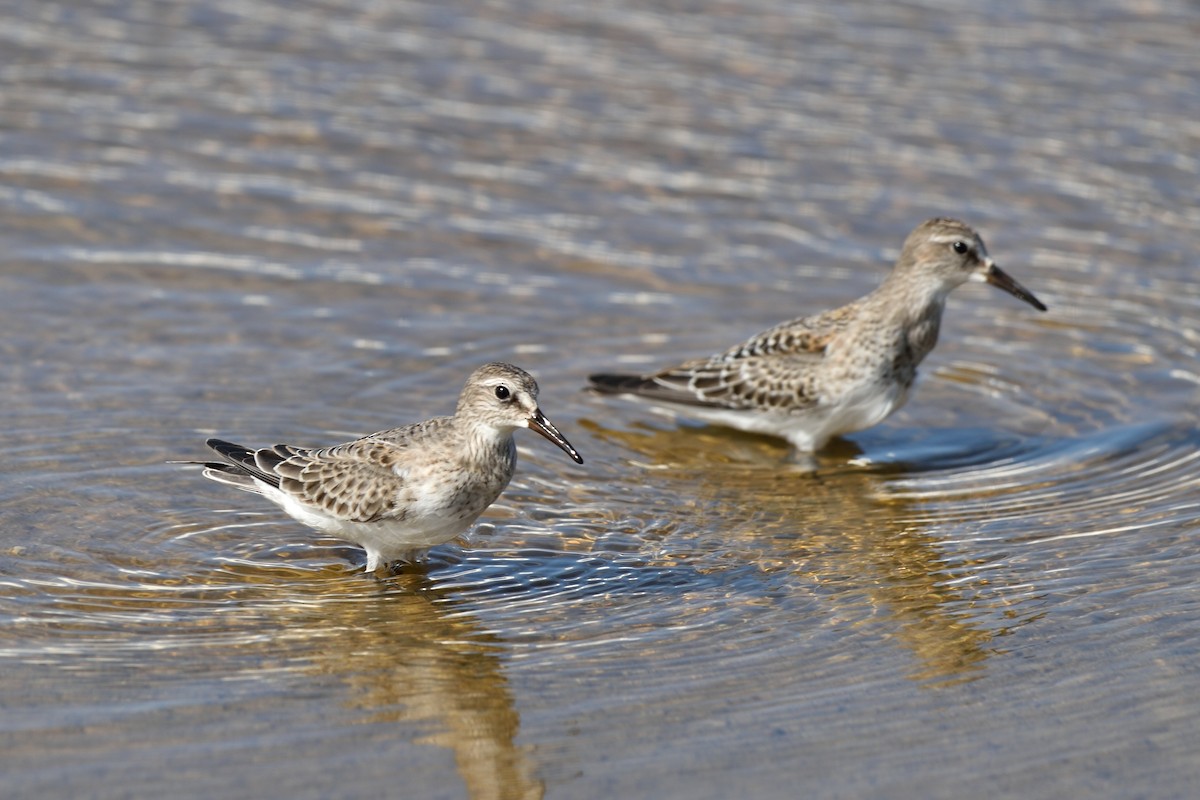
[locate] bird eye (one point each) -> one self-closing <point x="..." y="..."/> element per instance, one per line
<point x="960" y="247"/>
<point x="502" y="392"/>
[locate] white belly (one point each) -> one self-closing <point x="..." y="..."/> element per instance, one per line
<point x="809" y="430"/>
<point x="424" y="525"/>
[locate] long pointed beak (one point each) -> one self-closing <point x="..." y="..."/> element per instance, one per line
<point x="998" y="277"/>
<point x="539" y="423"/>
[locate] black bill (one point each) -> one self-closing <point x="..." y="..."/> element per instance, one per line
<point x="1000" y="278"/>
<point x="539" y="423"/>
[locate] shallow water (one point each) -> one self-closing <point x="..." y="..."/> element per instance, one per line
<point x="280" y="223"/>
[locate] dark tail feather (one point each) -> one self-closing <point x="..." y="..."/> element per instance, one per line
<point x="241" y="461"/>
<point x="235" y="453"/>
<point x="619" y="384"/>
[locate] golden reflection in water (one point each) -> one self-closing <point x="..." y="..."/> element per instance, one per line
<point x="833" y="528"/>
<point x="411" y="656"/>
<point x="407" y="653"/>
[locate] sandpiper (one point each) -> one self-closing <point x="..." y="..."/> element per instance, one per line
<point x="814" y="378"/>
<point x="399" y="492"/>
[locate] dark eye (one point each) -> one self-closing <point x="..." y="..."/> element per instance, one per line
<point x="502" y="392"/>
<point x="960" y="247"/>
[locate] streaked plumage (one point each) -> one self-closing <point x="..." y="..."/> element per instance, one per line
<point x="401" y="491"/>
<point x="813" y="378"/>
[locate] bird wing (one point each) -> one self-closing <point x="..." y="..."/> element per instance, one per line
<point x="355" y="481"/>
<point x="778" y="368"/>
<point x="803" y="337"/>
<point x="760" y="382"/>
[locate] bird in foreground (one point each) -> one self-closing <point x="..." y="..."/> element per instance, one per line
<point x="814" y="378"/>
<point x="399" y="492"/>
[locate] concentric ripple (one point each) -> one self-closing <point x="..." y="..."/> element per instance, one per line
<point x="1117" y="480"/>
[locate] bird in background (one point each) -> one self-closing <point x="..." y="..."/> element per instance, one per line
<point x="814" y="378"/>
<point x="399" y="492"/>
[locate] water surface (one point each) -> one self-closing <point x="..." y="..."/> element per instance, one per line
<point x="279" y="223"/>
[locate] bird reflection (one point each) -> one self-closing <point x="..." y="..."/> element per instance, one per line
<point x="835" y="529"/>
<point x="410" y="656"/>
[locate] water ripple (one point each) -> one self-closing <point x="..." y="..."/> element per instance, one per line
<point x="302" y="223"/>
<point x="1135" y="476"/>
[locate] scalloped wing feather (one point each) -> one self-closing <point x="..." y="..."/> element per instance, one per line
<point x="784" y="382"/>
<point x="809" y="336"/>
<point x="355" y="481"/>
